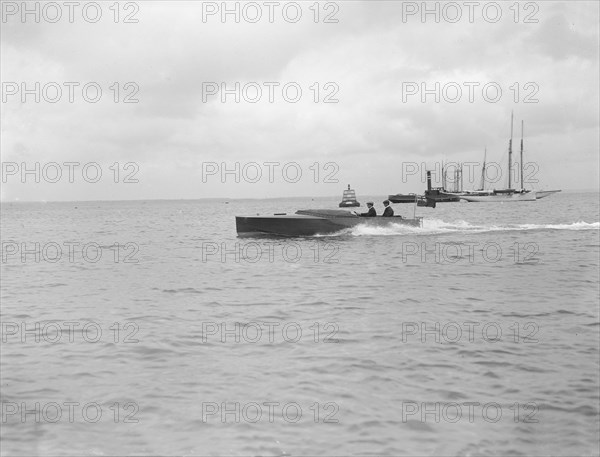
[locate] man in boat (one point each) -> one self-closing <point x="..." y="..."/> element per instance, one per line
<point x="370" y="213"/>
<point x="388" y="211"/>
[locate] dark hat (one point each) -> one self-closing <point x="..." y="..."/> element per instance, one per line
<point x="386" y="202"/>
<point x="370" y="203"/>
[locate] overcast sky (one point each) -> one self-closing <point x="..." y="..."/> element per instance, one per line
<point x="373" y="58"/>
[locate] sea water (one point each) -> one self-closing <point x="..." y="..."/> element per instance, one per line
<point x="150" y="328"/>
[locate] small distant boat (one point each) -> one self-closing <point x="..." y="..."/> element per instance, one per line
<point x="544" y="193"/>
<point x="312" y="222"/>
<point x="431" y="197"/>
<point x="420" y="200"/>
<point x="349" y="199"/>
<point x="403" y="198"/>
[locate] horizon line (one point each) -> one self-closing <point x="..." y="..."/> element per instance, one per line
<point x="225" y="198"/>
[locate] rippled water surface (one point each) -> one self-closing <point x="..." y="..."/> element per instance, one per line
<point x="477" y="334"/>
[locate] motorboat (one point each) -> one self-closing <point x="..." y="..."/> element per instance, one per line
<point x="310" y="222"/>
<point x="404" y="198"/>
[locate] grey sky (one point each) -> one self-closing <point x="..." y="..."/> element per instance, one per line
<point x="369" y="58"/>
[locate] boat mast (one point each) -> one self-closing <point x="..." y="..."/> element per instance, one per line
<point x="510" y="151"/>
<point x="522" y="188"/>
<point x="455" y="178"/>
<point x="443" y="177"/>
<point x="483" y="170"/>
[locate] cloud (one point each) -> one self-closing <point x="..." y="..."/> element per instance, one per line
<point x="547" y="72"/>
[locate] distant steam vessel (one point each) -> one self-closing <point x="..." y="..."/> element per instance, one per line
<point x="349" y="199"/>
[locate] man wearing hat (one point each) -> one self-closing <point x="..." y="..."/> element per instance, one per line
<point x="371" y="212"/>
<point x="388" y="211"/>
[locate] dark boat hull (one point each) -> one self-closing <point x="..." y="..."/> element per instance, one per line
<point x="349" y="204"/>
<point x="403" y="198"/>
<point x="312" y="222"/>
<point x="424" y="200"/>
<point x="440" y="196"/>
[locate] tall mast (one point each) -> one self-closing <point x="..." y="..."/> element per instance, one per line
<point x="483" y="170"/>
<point x="510" y="151"/>
<point x="522" y="123"/>
<point x="456" y="178"/>
<point x="443" y="177"/>
<point x="461" y="177"/>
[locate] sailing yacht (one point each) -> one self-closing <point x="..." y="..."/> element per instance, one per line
<point x="509" y="194"/>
